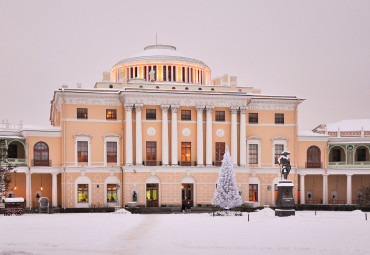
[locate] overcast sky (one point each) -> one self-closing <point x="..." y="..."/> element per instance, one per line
<point x="317" y="50"/>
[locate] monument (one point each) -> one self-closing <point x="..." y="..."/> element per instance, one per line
<point x="285" y="205"/>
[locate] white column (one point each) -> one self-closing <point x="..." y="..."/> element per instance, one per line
<point x="139" y="135"/>
<point x="243" y="138"/>
<point x="234" y="135"/>
<point x="200" y="110"/>
<point x="325" y="189"/>
<point x="174" y="138"/>
<point x="349" y="189"/>
<point x="164" y="134"/>
<point x="54" y="196"/>
<point x="209" y="141"/>
<point x="28" y="189"/>
<point x="302" y="188"/>
<point x="128" y="135"/>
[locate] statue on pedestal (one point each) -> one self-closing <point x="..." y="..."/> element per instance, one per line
<point x="285" y="162"/>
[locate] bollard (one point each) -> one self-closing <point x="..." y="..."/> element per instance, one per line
<point x="365" y="216"/>
<point x="315" y="212"/>
<point x="248" y="217"/>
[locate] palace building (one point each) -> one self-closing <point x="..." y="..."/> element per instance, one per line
<point x="153" y="132"/>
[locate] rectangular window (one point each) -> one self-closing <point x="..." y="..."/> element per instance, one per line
<point x="144" y="72"/>
<point x="169" y="73"/>
<point x="82" y="151"/>
<point x="279" y="148"/>
<point x="185" y="153"/>
<point x="220" y="151"/>
<point x="361" y="154"/>
<point x="253" y="153"/>
<point x="183" y="74"/>
<point x="151" y="114"/>
<point x="111" y="114"/>
<point x="83" y="193"/>
<point x="279" y="118"/>
<point x="185" y="114"/>
<point x="164" y="73"/>
<point x="336" y="155"/>
<point x="253" y="192"/>
<point x="131" y="72"/>
<point x="220" y="115"/>
<point x="151" y="153"/>
<point x="174" y="73"/>
<point x="136" y="73"/>
<point x="253" y="118"/>
<point x="111" y="192"/>
<point x="81" y="113"/>
<point x="112" y="152"/>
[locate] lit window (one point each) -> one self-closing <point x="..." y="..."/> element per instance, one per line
<point x="253" y="192"/>
<point x="111" y="192"/>
<point x="111" y="114"/>
<point x="81" y="113"/>
<point x="82" y="151"/>
<point x="83" y="193"/>
<point x="185" y="153"/>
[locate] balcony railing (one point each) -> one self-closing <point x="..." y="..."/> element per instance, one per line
<point x="152" y="163"/>
<point x="17" y="161"/>
<point x="343" y="164"/>
<point x="36" y="162"/>
<point x="187" y="163"/>
<point x="313" y="164"/>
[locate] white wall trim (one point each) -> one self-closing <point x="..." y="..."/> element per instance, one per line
<point x="154" y="179"/>
<point x="256" y="180"/>
<point x="112" y="137"/>
<point x="112" y="180"/>
<point x="258" y="142"/>
<point x="83" y="180"/>
<point x="82" y="136"/>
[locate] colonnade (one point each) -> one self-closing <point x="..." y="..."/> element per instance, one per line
<point x="174" y="135"/>
<point x="54" y="195"/>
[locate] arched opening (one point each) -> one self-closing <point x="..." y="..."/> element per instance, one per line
<point x="16" y="153"/>
<point x="362" y="154"/>
<point x="313" y="157"/>
<point x="41" y="154"/>
<point x="337" y="154"/>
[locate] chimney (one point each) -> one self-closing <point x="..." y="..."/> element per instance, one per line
<point x="216" y="81"/>
<point x="79" y="85"/>
<point x="233" y="81"/>
<point x="65" y="86"/>
<point x="106" y="76"/>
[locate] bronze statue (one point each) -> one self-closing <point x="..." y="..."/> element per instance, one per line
<point x="285" y="162"/>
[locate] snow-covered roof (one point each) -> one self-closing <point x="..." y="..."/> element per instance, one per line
<point x="40" y="128"/>
<point x="160" y="53"/>
<point x="349" y="125"/>
<point x="310" y="133"/>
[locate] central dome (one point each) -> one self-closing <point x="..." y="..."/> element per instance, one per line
<point x="160" y="53"/>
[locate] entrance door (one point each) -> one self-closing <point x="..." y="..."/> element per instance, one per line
<point x="152" y="194"/>
<point x="187" y="194"/>
<point x="220" y="151"/>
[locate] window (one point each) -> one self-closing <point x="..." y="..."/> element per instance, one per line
<point x="186" y="153"/>
<point x="131" y="72"/>
<point x="220" y="151"/>
<point x="111" y="114"/>
<point x="83" y="193"/>
<point x="136" y="73"/>
<point x="151" y="114"/>
<point x="253" y="153"/>
<point x="164" y="73"/>
<point x="169" y="73"/>
<point x="82" y="151"/>
<point x="151" y="153"/>
<point x="279" y="118"/>
<point x="155" y="72"/>
<point x="185" y="114"/>
<point x="336" y="155"/>
<point x="279" y="148"/>
<point x="111" y="152"/>
<point x="361" y="154"/>
<point x="41" y="154"/>
<point x="220" y="115"/>
<point x="12" y="150"/>
<point x="183" y="74"/>
<point x="253" y="118"/>
<point x="111" y="192"/>
<point x="81" y="113"/>
<point x="313" y="157"/>
<point x="145" y="72"/>
<point x="174" y="73"/>
<point x="253" y="192"/>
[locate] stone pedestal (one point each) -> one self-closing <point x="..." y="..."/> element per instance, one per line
<point x="285" y="205"/>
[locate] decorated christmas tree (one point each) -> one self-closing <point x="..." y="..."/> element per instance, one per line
<point x="227" y="195"/>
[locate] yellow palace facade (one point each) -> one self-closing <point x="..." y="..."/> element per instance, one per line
<point x="153" y="133"/>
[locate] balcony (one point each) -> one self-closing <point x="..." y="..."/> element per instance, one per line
<point x="17" y="161"/>
<point x="152" y="163"/>
<point x="343" y="164"/>
<point x="313" y="164"/>
<point x="187" y="163"/>
<point x="36" y="162"/>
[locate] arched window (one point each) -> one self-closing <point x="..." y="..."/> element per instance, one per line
<point x="337" y="154"/>
<point x="362" y="154"/>
<point x="313" y="157"/>
<point x="41" y="154"/>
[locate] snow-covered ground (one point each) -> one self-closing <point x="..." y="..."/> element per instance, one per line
<point x="109" y="233"/>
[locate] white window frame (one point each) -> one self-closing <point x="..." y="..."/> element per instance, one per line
<point x="254" y="140"/>
<point x="112" y="137"/>
<point x="255" y="180"/>
<point x="112" y="180"/>
<point x="83" y="179"/>
<point x="83" y="137"/>
<point x="278" y="140"/>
